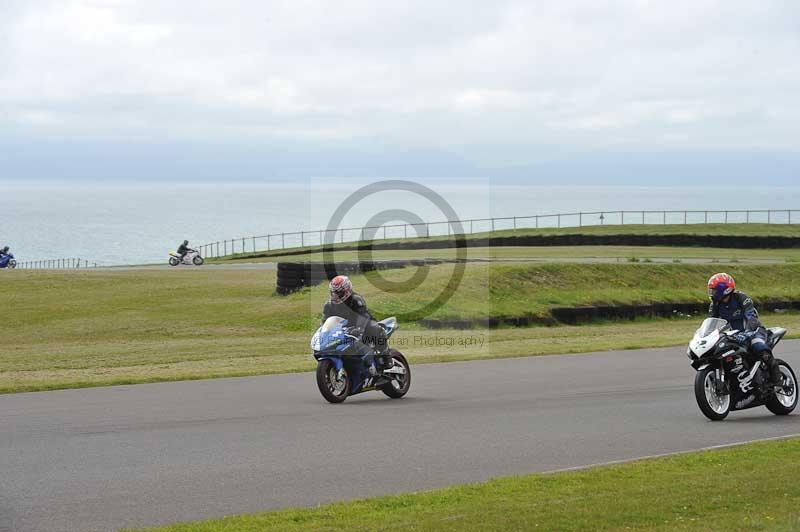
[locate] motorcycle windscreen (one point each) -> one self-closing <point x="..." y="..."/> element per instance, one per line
<point x="710" y="325"/>
<point x="332" y="323"/>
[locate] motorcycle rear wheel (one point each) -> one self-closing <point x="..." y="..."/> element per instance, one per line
<point x="714" y="406"/>
<point x="331" y="388"/>
<point x="173" y="261"/>
<point x="786" y="403"/>
<point x="398" y="386"/>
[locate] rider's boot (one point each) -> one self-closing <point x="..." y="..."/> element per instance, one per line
<point x="385" y="358"/>
<point x="775" y="375"/>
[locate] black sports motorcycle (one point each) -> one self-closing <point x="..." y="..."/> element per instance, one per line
<point x="730" y="378"/>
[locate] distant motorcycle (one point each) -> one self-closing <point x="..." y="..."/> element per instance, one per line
<point x="342" y="369"/>
<point x="8" y="261"/>
<point x="193" y="257"/>
<point x="729" y="377"/>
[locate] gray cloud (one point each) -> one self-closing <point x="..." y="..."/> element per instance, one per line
<point x="494" y="86"/>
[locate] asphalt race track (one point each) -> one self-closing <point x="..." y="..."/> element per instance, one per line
<point x="104" y="458"/>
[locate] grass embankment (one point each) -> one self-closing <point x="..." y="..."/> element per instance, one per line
<point x="90" y="328"/>
<point x="730" y="230"/>
<point x="711" y="490"/>
<point x="555" y="254"/>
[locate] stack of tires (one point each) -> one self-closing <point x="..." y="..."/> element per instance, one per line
<point x="293" y="276"/>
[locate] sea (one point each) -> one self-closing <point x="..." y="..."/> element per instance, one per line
<point x="141" y="223"/>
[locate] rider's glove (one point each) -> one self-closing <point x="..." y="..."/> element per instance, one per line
<point x="741" y="337"/>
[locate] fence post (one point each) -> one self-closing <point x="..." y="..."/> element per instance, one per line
<point x="622" y="217"/>
<point x="268" y="239"/>
<point x="405" y="231"/>
<point x="642" y="217"/>
<point x="559" y="221"/>
<point x="470" y="227"/>
<point x="769" y="217"/>
<point x="515" y="222"/>
<point x="726" y="216"/>
<point x="384" y="232"/>
<point x="427" y="230"/>
<point x="664" y="222"/>
<point x="492" y="224"/>
<point x="537" y="221"/>
<point x="747" y="217"/>
<point x="705" y="219"/>
<point x="283" y="240"/>
<point x="684" y="217"/>
<point x="790" y="217"/>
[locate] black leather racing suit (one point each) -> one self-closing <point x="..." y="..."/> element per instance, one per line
<point x="183" y="249"/>
<point x="742" y="315"/>
<point x="354" y="310"/>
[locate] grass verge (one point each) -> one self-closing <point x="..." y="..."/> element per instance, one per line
<point x="710" y="490"/>
<point x="96" y="328"/>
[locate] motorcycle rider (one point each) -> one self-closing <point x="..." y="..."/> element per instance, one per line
<point x="5" y="256"/>
<point x="737" y="309"/>
<point x="345" y="303"/>
<point x="183" y="249"/>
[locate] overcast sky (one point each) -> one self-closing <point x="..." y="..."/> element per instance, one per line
<point x="627" y="91"/>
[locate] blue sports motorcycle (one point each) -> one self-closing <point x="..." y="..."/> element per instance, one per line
<point x="342" y="362"/>
<point x="8" y="261"/>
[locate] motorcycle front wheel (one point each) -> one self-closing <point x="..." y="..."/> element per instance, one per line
<point x="783" y="402"/>
<point x="173" y="261"/>
<point x="714" y="405"/>
<point x="400" y="382"/>
<point x="333" y="389"/>
<point x="198" y="260"/>
<point x="12" y="264"/>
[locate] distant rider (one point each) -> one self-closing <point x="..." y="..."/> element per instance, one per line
<point x="183" y="249"/>
<point x="345" y="303"/>
<point x="737" y="309"/>
<point x="5" y="256"/>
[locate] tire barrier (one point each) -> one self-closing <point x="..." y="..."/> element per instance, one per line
<point x="677" y="240"/>
<point x="293" y="276"/>
<point x="588" y="314"/>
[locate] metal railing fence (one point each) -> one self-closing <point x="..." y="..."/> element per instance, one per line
<point x="316" y="238"/>
<point x="56" y="264"/>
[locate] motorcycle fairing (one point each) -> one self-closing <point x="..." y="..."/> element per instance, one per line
<point x="332" y="342"/>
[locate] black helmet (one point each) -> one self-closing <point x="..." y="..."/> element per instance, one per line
<point x="185" y="242"/>
<point x="5" y="249"/>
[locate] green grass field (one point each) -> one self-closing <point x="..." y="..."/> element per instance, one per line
<point x="748" y="487"/>
<point x="89" y="328"/>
